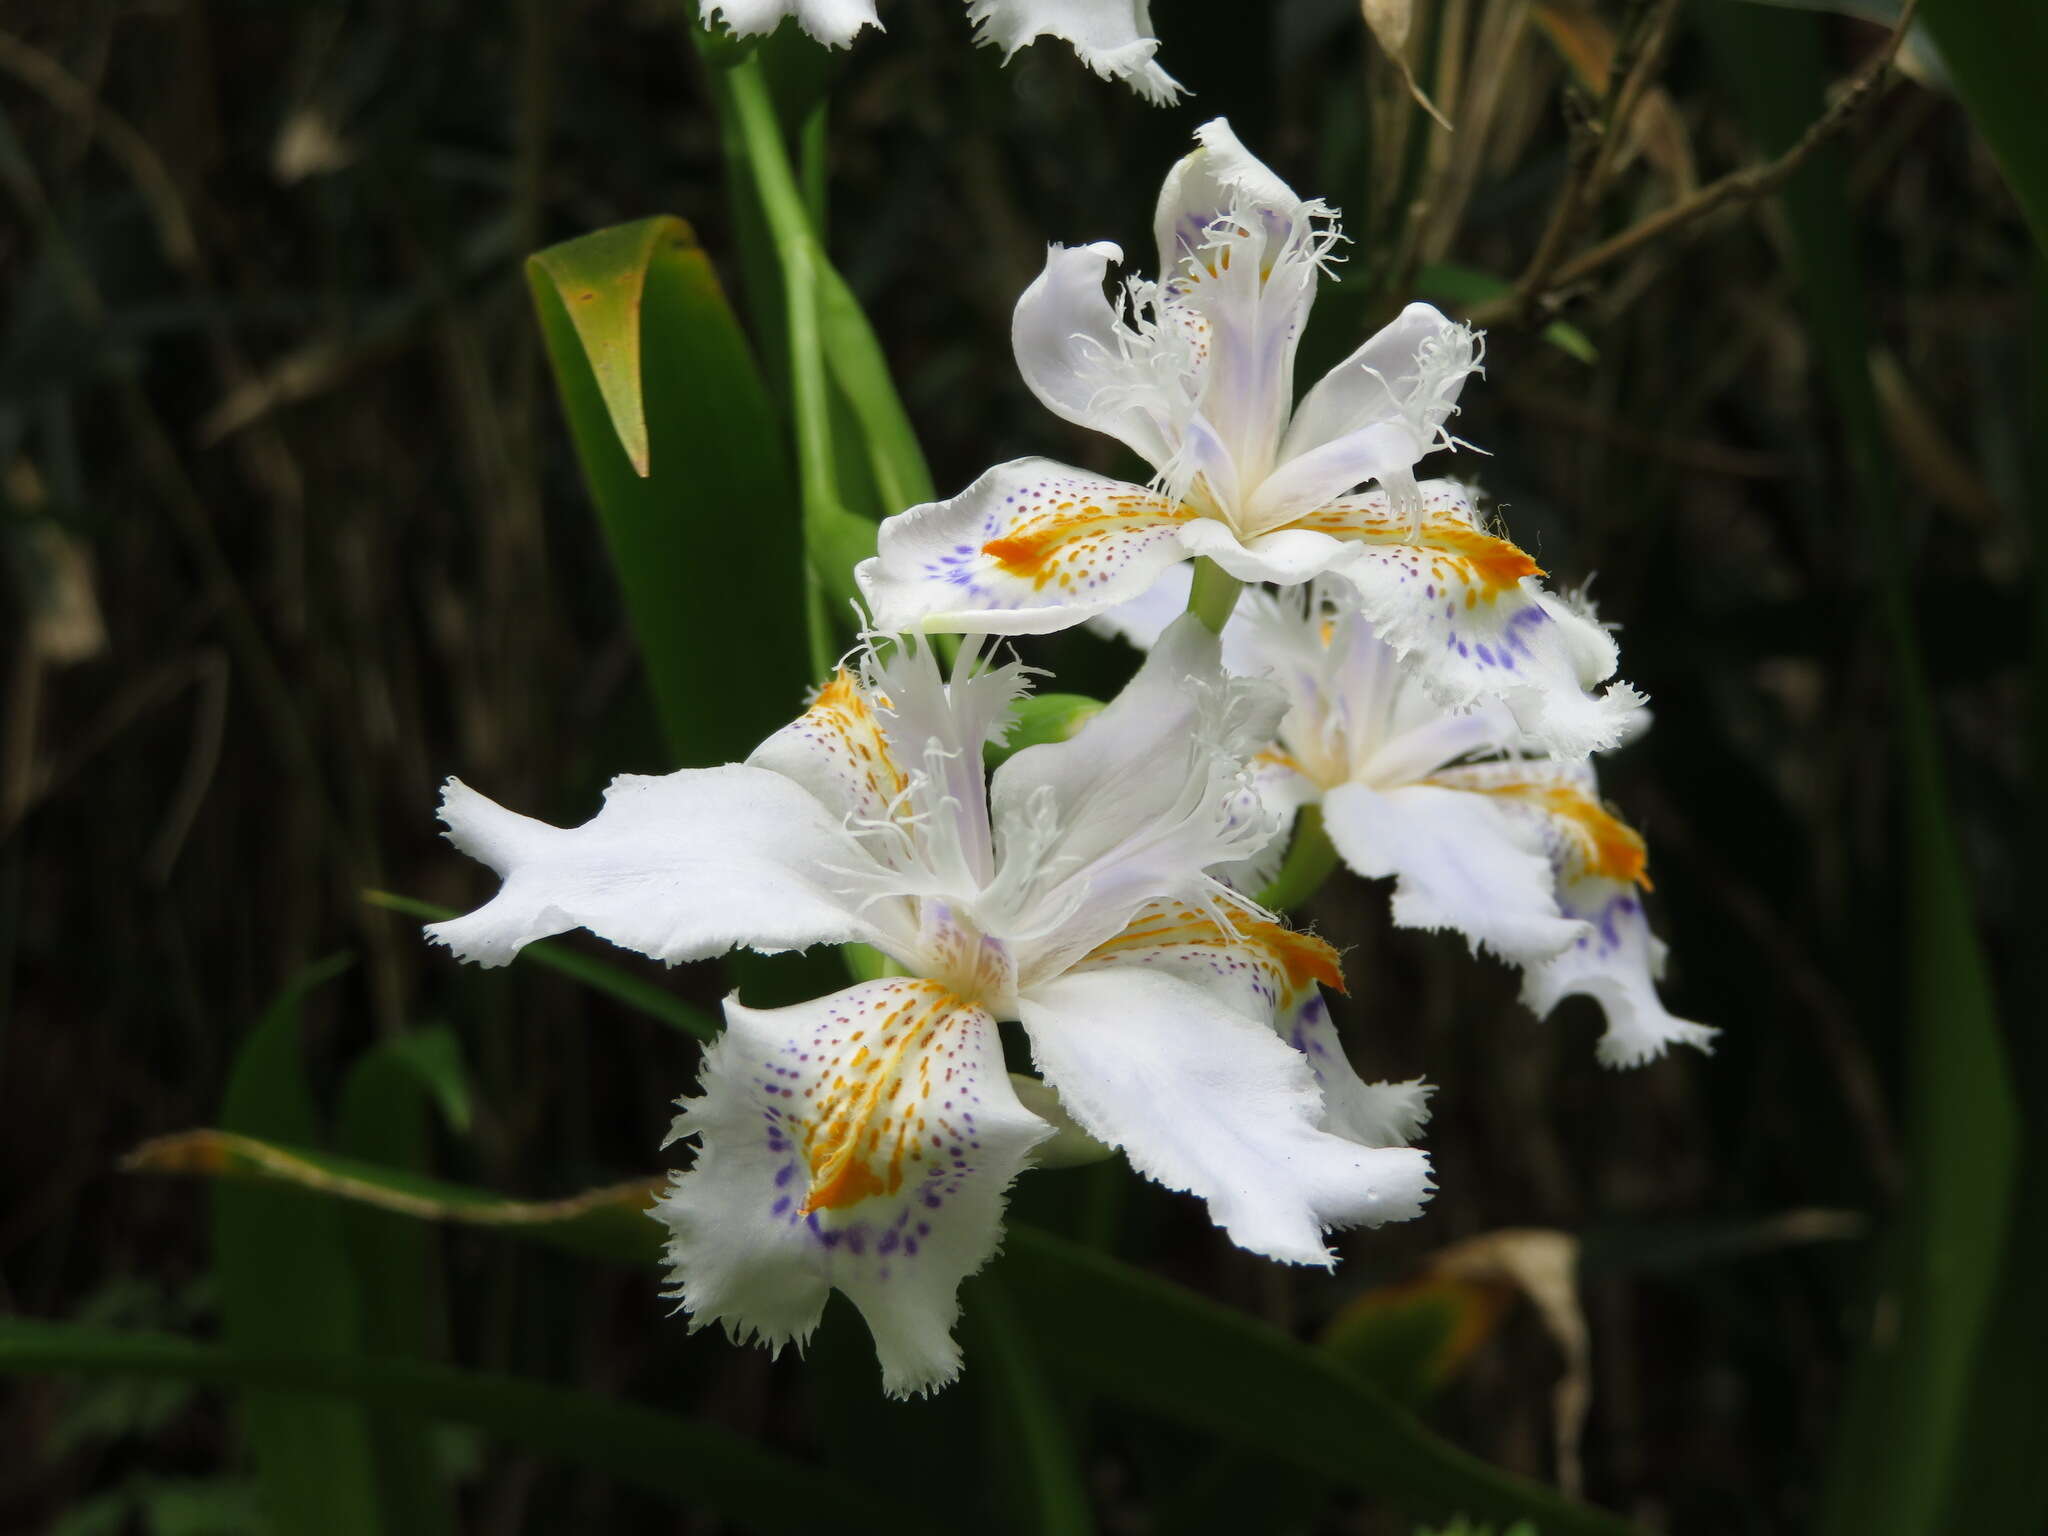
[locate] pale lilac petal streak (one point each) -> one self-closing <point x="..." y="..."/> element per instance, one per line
<point x="1616" y="963"/>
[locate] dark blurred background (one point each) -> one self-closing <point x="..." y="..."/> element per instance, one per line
<point x="293" y="531"/>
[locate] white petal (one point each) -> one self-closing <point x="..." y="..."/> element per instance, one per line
<point x="1149" y="794"/>
<point x="1385" y="451"/>
<point x="1029" y="548"/>
<point x="831" y="22"/>
<point x="1206" y="1099"/>
<point x="1241" y="251"/>
<point x="1112" y="37"/>
<point x="1142" y="619"/>
<point x="1085" y="364"/>
<point x="863" y="1142"/>
<point x="1210" y="183"/>
<point x="1371" y="1114"/>
<point x="680" y="868"/>
<point x="1407" y="375"/>
<point x="1597" y="862"/>
<point x="1465" y="610"/>
<point x="1274" y="975"/>
<point x="1615" y="964"/>
<point x="1286" y="558"/>
<point x="839" y="749"/>
<point x="1458" y="862"/>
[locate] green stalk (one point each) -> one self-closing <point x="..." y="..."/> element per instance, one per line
<point x="1213" y="595"/>
<point x="790" y="231"/>
<point x="1310" y="859"/>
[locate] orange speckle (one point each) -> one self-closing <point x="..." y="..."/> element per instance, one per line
<point x="1303" y="956"/>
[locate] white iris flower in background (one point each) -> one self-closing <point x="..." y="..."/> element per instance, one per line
<point x="1195" y="373"/>
<point x="864" y="1141"/>
<point x="1480" y="830"/>
<point x="1112" y="37"/>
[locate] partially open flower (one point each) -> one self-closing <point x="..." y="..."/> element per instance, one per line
<point x="1481" y="831"/>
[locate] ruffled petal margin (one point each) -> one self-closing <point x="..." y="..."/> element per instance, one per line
<point x="1210" y="1100"/>
<point x="862" y="1142"/>
<point x="681" y="867"/>
<point x="1465" y="609"/>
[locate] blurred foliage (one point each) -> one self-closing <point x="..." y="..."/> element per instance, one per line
<point x="295" y="528"/>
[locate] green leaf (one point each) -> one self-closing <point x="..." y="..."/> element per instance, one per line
<point x="1088" y="1318"/>
<point x="286" y="1283"/>
<point x="387" y="1103"/>
<point x="1409" y="1339"/>
<point x="705" y="542"/>
<point x="1468" y="288"/>
<point x="599" y="975"/>
<point x="1041" y="718"/>
<point x="1996" y="52"/>
<point x="1902" y="1456"/>
<point x="901" y="477"/>
<point x="1048" y="1495"/>
<point x="706" y="1469"/>
<point x="1154" y="1346"/>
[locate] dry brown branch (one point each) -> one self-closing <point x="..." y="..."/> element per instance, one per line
<point x="1532" y="299"/>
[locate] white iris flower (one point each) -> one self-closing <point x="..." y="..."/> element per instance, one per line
<point x="1195" y="372"/>
<point x="1481" y="831"/>
<point x="865" y="1141"/>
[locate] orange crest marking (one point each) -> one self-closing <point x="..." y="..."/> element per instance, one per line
<point x="1606" y="845"/>
<point x="1060" y="543"/>
<point x="1447" y="547"/>
<point x="873" y="1112"/>
<point x="1295" y="959"/>
<point x="842" y="720"/>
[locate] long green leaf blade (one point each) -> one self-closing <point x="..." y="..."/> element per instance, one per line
<point x="1902" y="1454"/>
<point x="1125" y="1335"/>
<point x="703" y="1467"/>
<point x="1997" y="55"/>
<point x="1154" y="1346"/>
<point x="614" y="981"/>
<point x="387" y="1104"/>
<point x="286" y="1283"/>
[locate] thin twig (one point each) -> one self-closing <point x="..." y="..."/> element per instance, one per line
<point x="1637" y="53"/>
<point x="1737" y="186"/>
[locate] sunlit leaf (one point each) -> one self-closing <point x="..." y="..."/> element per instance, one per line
<point x="706" y="541"/>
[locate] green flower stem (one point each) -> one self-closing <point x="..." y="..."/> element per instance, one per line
<point x="1214" y="594"/>
<point x="1310" y="858"/>
<point x="788" y="214"/>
